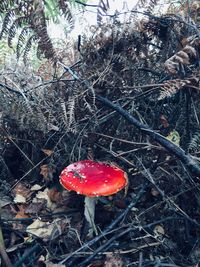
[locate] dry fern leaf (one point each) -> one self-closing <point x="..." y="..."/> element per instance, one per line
<point x="171" y="87"/>
<point x="194" y="144"/>
<point x="184" y="56"/>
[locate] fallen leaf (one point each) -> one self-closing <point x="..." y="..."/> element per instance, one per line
<point x="43" y="196"/>
<point x="47" y="152"/>
<point x="113" y="260"/>
<point x="154" y="192"/>
<point x="36" y="187"/>
<point x="34" y="208"/>
<point x="40" y="229"/>
<point x="174" y="137"/>
<point x="47" y="230"/>
<point x="19" y="199"/>
<point x="164" y="121"/>
<point x="55" y="195"/>
<point x="47" y="172"/>
<point x="158" y="231"/>
<point x="21" y="213"/>
<point x="22" y="190"/>
<point x="5" y="200"/>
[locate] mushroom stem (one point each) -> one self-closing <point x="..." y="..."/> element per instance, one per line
<point x="89" y="213"/>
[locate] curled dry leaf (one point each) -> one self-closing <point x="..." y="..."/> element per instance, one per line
<point x="158" y="231"/>
<point x="154" y="192"/>
<point x="47" y="152"/>
<point x="43" y="196"/>
<point x="164" y="121"/>
<point x="47" y="230"/>
<point x="21" y="190"/>
<point x="55" y="195"/>
<point x="34" y="208"/>
<point x="21" y="213"/>
<point x="47" y="172"/>
<point x="36" y="187"/>
<point x="19" y="199"/>
<point x="113" y="260"/>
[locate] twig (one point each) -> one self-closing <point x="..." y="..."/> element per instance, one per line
<point x="84" y="4"/>
<point x="36" y="248"/>
<point x="111" y="226"/>
<point x="110" y="241"/>
<point x="11" y="89"/>
<point x="186" y="159"/>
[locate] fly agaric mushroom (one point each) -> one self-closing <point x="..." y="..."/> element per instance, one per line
<point x="93" y="179"/>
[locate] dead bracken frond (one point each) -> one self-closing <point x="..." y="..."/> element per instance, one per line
<point x="184" y="57"/>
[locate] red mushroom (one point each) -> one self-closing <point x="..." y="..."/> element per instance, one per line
<point x="93" y="179"/>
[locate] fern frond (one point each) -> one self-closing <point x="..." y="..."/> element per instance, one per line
<point x="64" y="111"/>
<point x="21" y="40"/>
<point x="171" y="87"/>
<point x="66" y="12"/>
<point x="51" y="11"/>
<point x="152" y="4"/>
<point x="12" y="31"/>
<point x="103" y="7"/>
<point x="38" y="23"/>
<point x="194" y="144"/>
<point x="184" y="56"/>
<point x="87" y="105"/>
<point x="28" y="48"/>
<point x="6" y="22"/>
<point x="71" y="110"/>
<point x="4" y="4"/>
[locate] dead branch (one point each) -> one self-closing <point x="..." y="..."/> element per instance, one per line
<point x="192" y="166"/>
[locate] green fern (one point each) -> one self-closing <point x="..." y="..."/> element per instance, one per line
<point x="6" y="22"/>
<point x="22" y="41"/>
<point x="28" y="48"/>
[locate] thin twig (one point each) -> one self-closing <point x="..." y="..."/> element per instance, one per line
<point x="111" y="226"/>
<point x="175" y="150"/>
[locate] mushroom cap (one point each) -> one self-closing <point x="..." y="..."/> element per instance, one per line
<point x="93" y="179"/>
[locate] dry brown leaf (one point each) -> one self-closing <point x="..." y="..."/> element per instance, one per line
<point x="164" y="121"/>
<point x="36" y="187"/>
<point x="42" y="197"/>
<point x="19" y="199"/>
<point x="159" y="230"/>
<point x="47" y="230"/>
<point x="55" y="195"/>
<point x="22" y="190"/>
<point x="21" y="213"/>
<point x="47" y="152"/>
<point x="113" y="260"/>
<point x="34" y="208"/>
<point x="154" y="192"/>
<point x="47" y="172"/>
